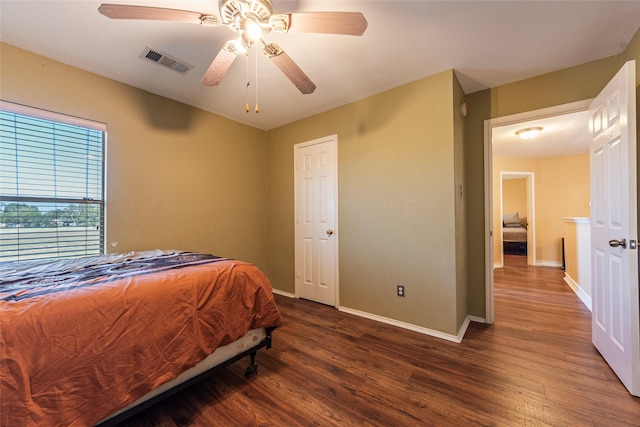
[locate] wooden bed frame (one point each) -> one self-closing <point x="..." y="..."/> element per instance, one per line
<point x="515" y="248"/>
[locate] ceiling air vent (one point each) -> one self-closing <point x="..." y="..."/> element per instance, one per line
<point x="165" y="60"/>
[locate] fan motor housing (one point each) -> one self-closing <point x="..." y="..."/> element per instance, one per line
<point x="232" y="10"/>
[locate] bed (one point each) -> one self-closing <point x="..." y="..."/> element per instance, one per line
<point x="93" y="340"/>
<point x="514" y="234"/>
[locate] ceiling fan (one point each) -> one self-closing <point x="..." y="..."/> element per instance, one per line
<point x="251" y="20"/>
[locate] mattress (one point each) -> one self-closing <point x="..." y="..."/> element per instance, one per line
<point x="514" y="234"/>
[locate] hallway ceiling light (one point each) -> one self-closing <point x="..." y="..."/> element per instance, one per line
<point x="529" y="133"/>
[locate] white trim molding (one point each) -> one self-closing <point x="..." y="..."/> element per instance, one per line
<point x="415" y="328"/>
<point x="403" y="325"/>
<point x="283" y="293"/>
<point x="584" y="297"/>
<point x="548" y="263"/>
<point x="12" y="107"/>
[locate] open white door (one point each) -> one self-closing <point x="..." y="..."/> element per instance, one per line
<point x="615" y="317"/>
<point x="316" y="241"/>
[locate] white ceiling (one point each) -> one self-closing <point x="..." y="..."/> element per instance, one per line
<point x="487" y="43"/>
<point x="562" y="135"/>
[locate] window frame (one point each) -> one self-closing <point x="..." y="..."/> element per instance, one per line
<point x="65" y="119"/>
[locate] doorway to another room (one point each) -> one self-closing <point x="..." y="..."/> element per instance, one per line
<point x="551" y="164"/>
<point x="517" y="202"/>
<point x="611" y="209"/>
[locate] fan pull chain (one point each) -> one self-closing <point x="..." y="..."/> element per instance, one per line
<point x="246" y="105"/>
<point x="257" y="108"/>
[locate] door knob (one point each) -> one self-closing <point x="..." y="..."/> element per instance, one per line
<point x="615" y="243"/>
<point x="329" y="232"/>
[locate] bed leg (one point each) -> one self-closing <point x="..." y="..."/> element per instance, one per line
<point x="268" y="338"/>
<point x="253" y="368"/>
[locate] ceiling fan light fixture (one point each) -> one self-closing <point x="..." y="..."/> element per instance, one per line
<point x="239" y="46"/>
<point x="252" y="29"/>
<point x="529" y="133"/>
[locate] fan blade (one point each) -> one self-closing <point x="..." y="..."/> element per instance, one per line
<point x="289" y="68"/>
<point x="347" y="23"/>
<point x="220" y="64"/>
<point x="123" y="11"/>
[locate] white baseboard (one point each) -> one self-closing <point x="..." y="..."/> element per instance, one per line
<point x="477" y="319"/>
<point x="283" y="293"/>
<point x="584" y="297"/>
<point x="465" y="325"/>
<point x="415" y="328"/>
<point x="539" y="263"/>
<point x="404" y="325"/>
<point x="543" y="263"/>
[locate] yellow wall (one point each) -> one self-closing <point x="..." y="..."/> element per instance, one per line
<point x="514" y="196"/>
<point x="177" y="177"/>
<point x="561" y="189"/>
<point x="397" y="205"/>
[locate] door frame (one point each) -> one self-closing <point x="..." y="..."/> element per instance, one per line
<point x="531" y="213"/>
<point x="333" y="140"/>
<point x="488" y="183"/>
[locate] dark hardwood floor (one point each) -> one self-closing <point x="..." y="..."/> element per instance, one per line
<point x="535" y="366"/>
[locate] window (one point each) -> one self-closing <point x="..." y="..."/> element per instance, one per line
<point x="51" y="185"/>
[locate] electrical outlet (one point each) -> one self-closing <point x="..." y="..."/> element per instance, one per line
<point x="400" y="290"/>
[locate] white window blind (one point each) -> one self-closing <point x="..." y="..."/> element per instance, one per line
<point x="51" y="185"/>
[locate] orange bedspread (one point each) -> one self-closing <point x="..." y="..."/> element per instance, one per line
<point x="79" y="340"/>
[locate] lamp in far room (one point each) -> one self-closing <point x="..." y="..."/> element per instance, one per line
<point x="529" y="133"/>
